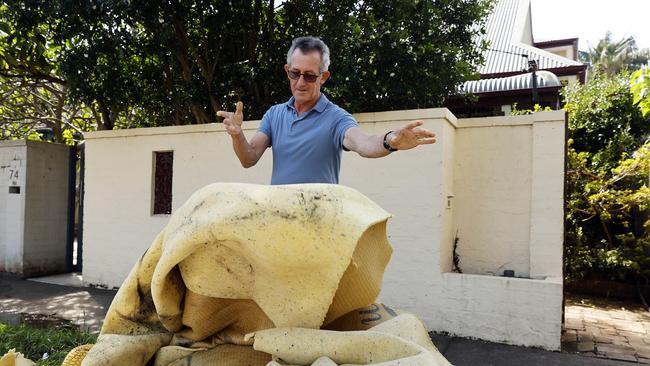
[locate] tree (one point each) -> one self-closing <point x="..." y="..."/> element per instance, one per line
<point x="404" y="54"/>
<point x="28" y="107"/>
<point x="144" y="63"/>
<point x="33" y="94"/>
<point x="607" y="181"/>
<point x="611" y="56"/>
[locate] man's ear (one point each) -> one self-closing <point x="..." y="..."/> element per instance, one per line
<point x="286" y="67"/>
<point x="324" y="77"/>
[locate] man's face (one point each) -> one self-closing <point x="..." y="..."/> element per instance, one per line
<point x="302" y="90"/>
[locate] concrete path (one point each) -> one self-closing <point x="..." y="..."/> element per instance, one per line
<point x="84" y="306"/>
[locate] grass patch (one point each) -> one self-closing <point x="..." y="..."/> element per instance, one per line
<point x="34" y="341"/>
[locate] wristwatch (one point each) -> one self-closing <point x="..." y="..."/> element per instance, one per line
<point x="386" y="145"/>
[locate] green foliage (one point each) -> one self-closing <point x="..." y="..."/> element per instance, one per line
<point x="522" y="112"/>
<point x="404" y="54"/>
<point x="601" y="206"/>
<point x="607" y="182"/>
<point x="640" y="86"/>
<point x="604" y="121"/>
<point x="33" y="94"/>
<point x="140" y="63"/>
<point x="612" y="57"/>
<point x="34" y="342"/>
<point x="26" y="48"/>
<point x="28" y="106"/>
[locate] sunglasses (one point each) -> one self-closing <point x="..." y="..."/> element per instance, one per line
<point x="295" y="75"/>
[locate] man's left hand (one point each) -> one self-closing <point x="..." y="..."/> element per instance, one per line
<point x="410" y="136"/>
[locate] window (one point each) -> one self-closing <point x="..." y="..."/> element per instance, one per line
<point x="163" y="163"/>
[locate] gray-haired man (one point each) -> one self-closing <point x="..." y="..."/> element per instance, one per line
<point x="308" y="132"/>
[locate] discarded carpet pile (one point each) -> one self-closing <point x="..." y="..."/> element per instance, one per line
<point x="263" y="275"/>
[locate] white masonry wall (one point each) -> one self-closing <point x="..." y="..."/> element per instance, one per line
<point x="118" y="221"/>
<point x="508" y="214"/>
<point x="496" y="184"/>
<point x="493" y="187"/>
<point x="46" y="208"/>
<point x="12" y="205"/>
<point x="33" y="207"/>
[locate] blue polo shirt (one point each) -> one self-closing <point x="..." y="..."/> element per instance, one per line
<point x="306" y="149"/>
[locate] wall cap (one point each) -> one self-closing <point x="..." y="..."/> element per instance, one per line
<point x="373" y="117"/>
<point x="529" y="119"/>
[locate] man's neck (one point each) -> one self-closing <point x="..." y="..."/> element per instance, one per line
<point x="305" y="107"/>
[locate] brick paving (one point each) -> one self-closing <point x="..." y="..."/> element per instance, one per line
<point x="606" y="329"/>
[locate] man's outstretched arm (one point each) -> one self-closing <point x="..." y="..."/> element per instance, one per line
<point x="249" y="153"/>
<point x="404" y="138"/>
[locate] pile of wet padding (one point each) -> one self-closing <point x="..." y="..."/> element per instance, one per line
<point x="263" y="275"/>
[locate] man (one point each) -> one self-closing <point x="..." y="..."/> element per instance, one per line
<point x="308" y="132"/>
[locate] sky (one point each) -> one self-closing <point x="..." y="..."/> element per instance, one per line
<point x="588" y="20"/>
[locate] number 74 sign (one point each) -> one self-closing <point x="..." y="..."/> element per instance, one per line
<point x="13" y="172"/>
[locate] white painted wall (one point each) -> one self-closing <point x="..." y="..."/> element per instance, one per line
<point x="12" y="206"/>
<point x="508" y="213"/>
<point x="564" y="51"/>
<point x="412" y="185"/>
<point x="33" y="223"/>
<point x="118" y="221"/>
<point x="493" y="188"/>
<point x="493" y="180"/>
<point x="46" y="208"/>
<point x="499" y="309"/>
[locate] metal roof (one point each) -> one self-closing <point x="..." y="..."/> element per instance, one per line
<point x="545" y="79"/>
<point x="509" y="31"/>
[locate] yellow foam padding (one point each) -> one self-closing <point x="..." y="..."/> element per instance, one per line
<point x="241" y="258"/>
<point x="402" y="340"/>
<point x="76" y="355"/>
<point x="13" y="358"/>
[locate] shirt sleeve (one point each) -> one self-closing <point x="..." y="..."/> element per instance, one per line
<point x="265" y="126"/>
<point x="344" y="123"/>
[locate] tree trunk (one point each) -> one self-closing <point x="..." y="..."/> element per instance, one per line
<point x="107" y="120"/>
<point x="182" y="55"/>
<point x="57" y="127"/>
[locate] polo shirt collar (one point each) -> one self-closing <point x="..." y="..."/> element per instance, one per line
<point x="318" y="107"/>
<point x="321" y="104"/>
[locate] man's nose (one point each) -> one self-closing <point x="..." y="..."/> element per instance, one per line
<point x="301" y="79"/>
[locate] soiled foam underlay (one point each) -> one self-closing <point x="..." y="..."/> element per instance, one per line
<point x="254" y="275"/>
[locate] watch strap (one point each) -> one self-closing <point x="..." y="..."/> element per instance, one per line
<point x="386" y="145"/>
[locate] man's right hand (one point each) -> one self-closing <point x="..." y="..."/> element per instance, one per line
<point x="233" y="121"/>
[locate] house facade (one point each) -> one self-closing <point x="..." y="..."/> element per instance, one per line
<point x="518" y="69"/>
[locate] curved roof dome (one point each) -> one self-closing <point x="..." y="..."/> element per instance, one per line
<point x="545" y="79"/>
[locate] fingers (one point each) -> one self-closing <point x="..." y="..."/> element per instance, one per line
<point x="414" y="124"/>
<point x="427" y="140"/>
<point x="233" y="121"/>
<point x="232" y="130"/>
<point x="224" y="114"/>
<point x="239" y="109"/>
<point x="411" y="135"/>
<point x="421" y="132"/>
<point x="414" y="128"/>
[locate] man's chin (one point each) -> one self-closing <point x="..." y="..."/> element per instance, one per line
<point x="301" y="98"/>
